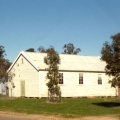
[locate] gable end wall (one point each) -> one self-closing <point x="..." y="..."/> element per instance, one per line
<point x="24" y="71"/>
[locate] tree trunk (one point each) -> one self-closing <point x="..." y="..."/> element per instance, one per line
<point x="119" y="92"/>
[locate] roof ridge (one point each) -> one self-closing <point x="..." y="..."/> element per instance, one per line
<point x="62" y="54"/>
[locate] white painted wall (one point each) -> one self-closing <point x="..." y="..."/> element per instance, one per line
<point x="25" y="71"/>
<point x="90" y="87"/>
<point x="43" y="89"/>
<point x="72" y="88"/>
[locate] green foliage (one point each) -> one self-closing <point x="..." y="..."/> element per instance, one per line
<point x="4" y="63"/>
<point x="111" y="54"/>
<point x="70" y="49"/>
<point x="30" y="50"/>
<point x="42" y="49"/>
<point x="52" y="60"/>
<point x="2" y="51"/>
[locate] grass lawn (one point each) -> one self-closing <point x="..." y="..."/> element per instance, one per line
<point x="70" y="107"/>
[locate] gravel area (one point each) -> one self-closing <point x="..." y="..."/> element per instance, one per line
<point x="20" y="116"/>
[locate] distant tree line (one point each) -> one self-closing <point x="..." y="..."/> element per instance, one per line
<point x="67" y="49"/>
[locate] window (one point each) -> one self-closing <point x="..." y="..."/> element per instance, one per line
<point x="61" y="78"/>
<point x="22" y="61"/>
<point x="81" y="78"/>
<point x="99" y="79"/>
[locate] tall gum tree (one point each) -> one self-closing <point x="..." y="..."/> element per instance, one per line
<point x="4" y="63"/>
<point x="111" y="54"/>
<point x="52" y="60"/>
<point x="70" y="49"/>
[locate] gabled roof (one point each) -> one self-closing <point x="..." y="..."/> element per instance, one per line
<point x="68" y="62"/>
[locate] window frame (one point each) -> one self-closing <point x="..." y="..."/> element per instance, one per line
<point x="99" y="79"/>
<point x="61" y="80"/>
<point x="80" y="78"/>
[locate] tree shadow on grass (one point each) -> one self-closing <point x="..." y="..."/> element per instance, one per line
<point x="108" y="104"/>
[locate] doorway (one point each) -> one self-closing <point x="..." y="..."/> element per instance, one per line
<point x="23" y="88"/>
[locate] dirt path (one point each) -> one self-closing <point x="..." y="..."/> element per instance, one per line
<point x="20" y="116"/>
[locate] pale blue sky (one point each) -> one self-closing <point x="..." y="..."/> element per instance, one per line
<point x="32" y="23"/>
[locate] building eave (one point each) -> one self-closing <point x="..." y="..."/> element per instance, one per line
<point x="22" y="53"/>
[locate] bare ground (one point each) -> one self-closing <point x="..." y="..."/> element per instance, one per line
<point x="17" y="116"/>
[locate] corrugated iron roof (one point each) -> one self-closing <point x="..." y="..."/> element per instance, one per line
<point x="69" y="62"/>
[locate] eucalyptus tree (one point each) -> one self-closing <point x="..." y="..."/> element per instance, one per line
<point x="52" y="60"/>
<point x="42" y="49"/>
<point x="70" y="49"/>
<point x="4" y="63"/>
<point x="111" y="54"/>
<point x="30" y="50"/>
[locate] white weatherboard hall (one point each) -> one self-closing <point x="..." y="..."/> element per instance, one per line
<point x="81" y="76"/>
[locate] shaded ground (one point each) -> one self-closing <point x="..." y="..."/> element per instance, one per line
<point x="20" y="116"/>
<point x="108" y="104"/>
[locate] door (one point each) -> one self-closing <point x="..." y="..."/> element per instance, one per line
<point x="22" y="88"/>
